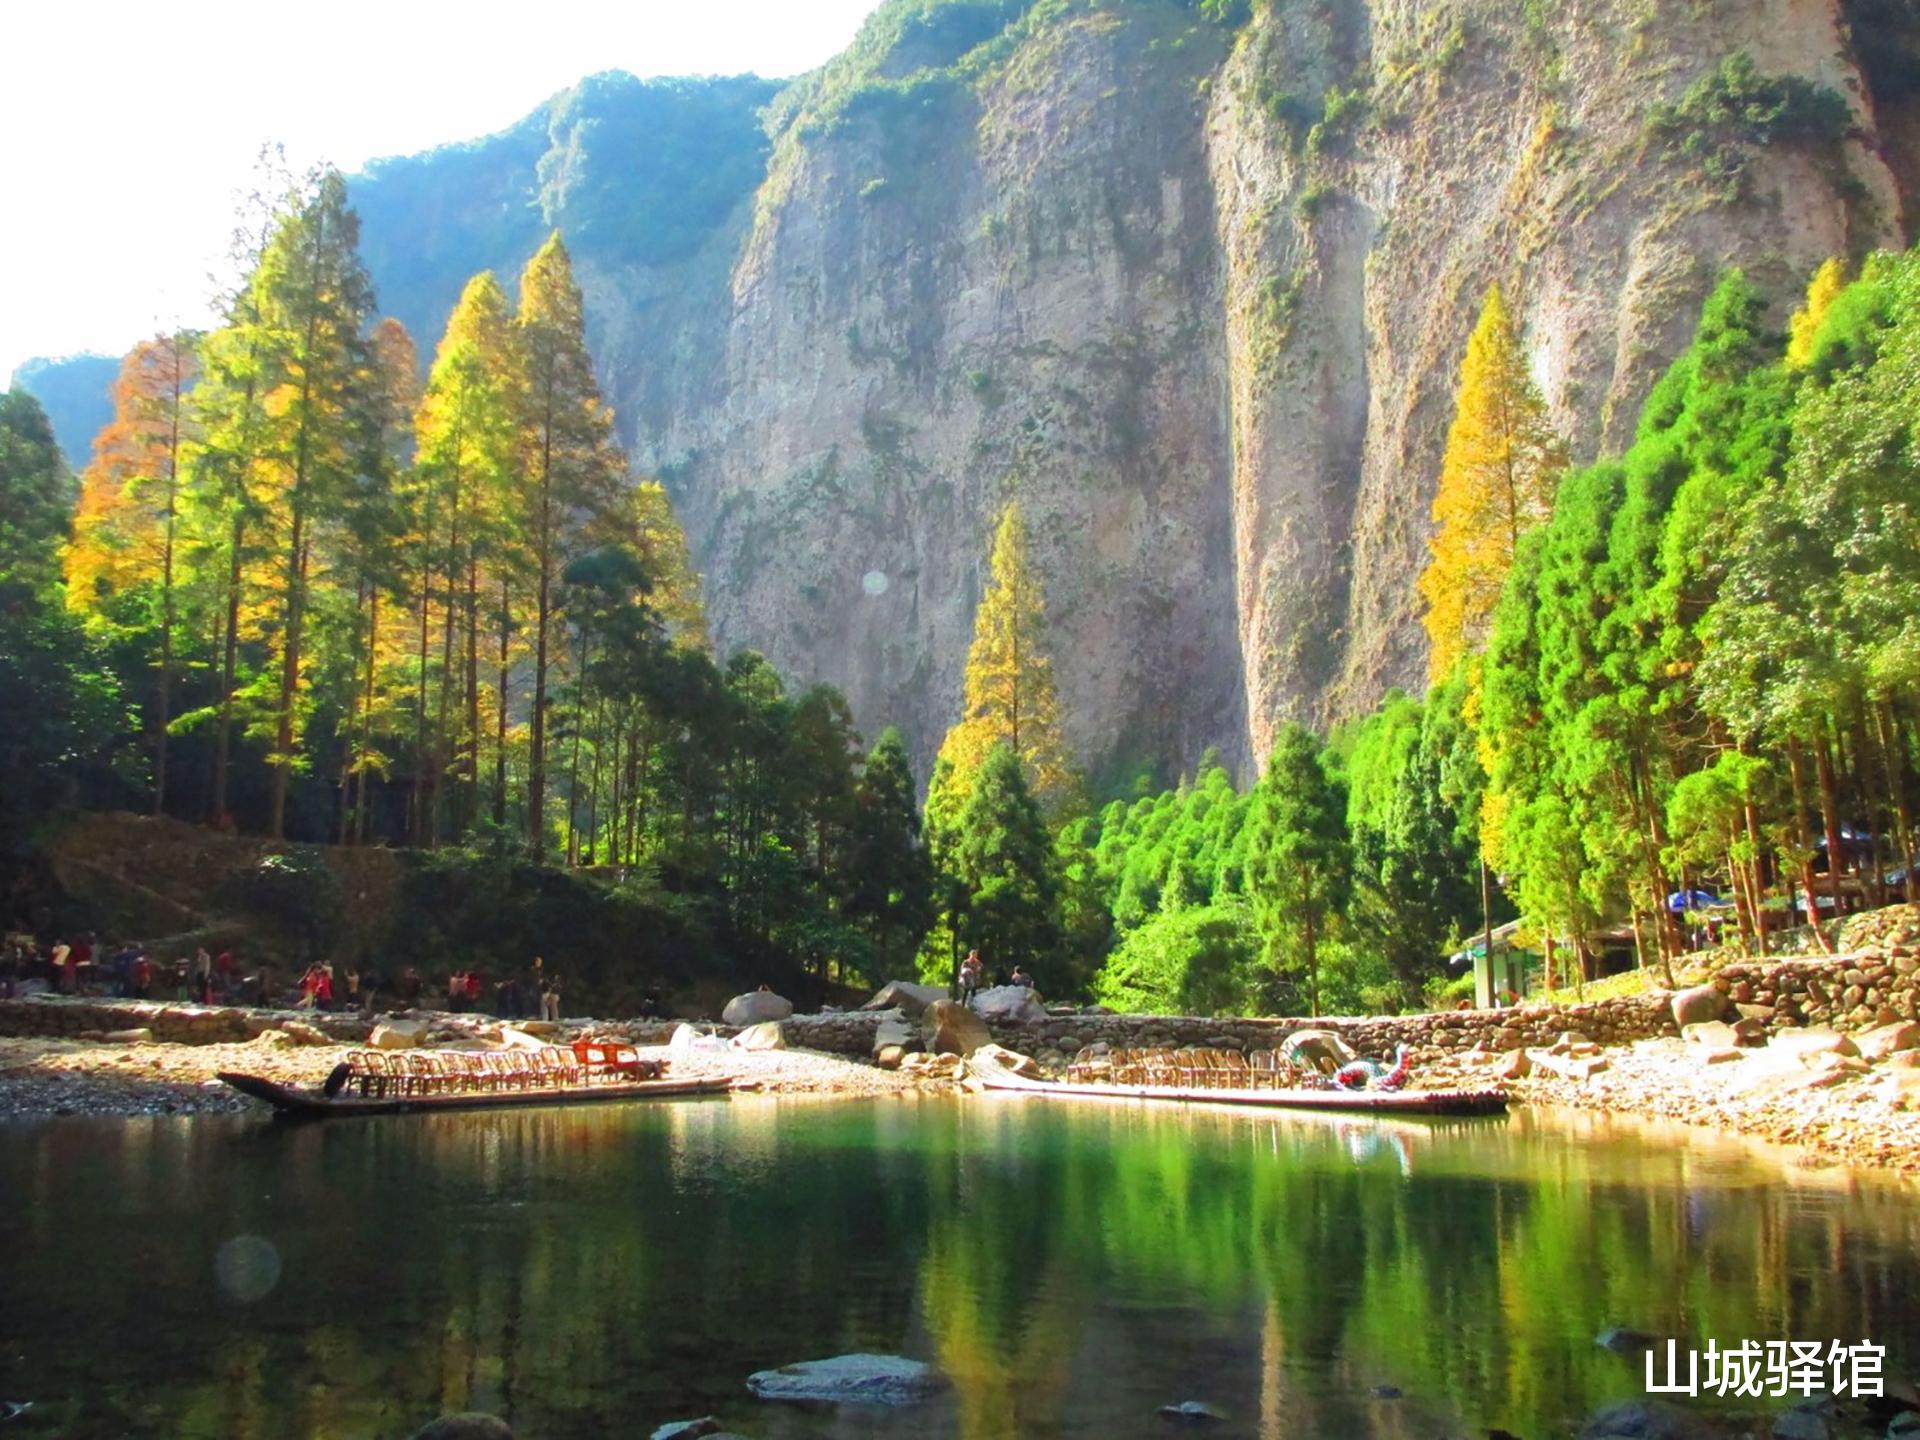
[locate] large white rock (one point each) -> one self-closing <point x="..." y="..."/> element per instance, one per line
<point x="851" y="1379"/>
<point x="905" y="996"/>
<point x="764" y="1036"/>
<point x="756" y="1006"/>
<point x="1009" y="1002"/>
<point x="1001" y="1058"/>
<point x="398" y="1034"/>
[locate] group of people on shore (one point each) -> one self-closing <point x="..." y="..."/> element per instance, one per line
<point x="973" y="977"/>
<point x="81" y="965"/>
<point x="534" y="995"/>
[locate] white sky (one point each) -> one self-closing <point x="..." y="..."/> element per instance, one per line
<point x="128" y="128"/>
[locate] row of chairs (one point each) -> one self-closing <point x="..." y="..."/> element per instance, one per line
<point x="439" y="1072"/>
<point x="1195" y="1069"/>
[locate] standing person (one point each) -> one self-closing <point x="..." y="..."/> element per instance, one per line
<point x="142" y="975"/>
<point x="62" y="976"/>
<point x="550" y="999"/>
<point x="456" y="991"/>
<point x="203" y="976"/>
<point x="971" y="974"/>
<point x="473" y="990"/>
<point x="223" y="971"/>
<point x="410" y="987"/>
<point x="79" y="959"/>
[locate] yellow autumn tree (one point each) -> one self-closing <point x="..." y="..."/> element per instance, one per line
<point x="1009" y="682"/>
<point x="126" y="524"/>
<point x="1502" y="465"/>
<point x="654" y="532"/>
<point x="1827" y="283"/>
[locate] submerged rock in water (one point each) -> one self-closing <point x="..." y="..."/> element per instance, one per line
<point x="687" y="1429"/>
<point x="468" y="1426"/>
<point x="1646" y="1420"/>
<point x="1191" y="1410"/>
<point x="851" y="1379"/>
<point x="1625" y="1341"/>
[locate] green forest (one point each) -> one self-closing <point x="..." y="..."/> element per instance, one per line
<point x="318" y="585"/>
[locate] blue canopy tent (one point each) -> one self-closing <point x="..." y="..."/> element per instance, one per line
<point x="1681" y="901"/>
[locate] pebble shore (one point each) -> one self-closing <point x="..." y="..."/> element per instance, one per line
<point x="47" y="1077"/>
<point x="1834" y="1108"/>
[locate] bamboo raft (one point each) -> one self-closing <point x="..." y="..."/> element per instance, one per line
<point x="1216" y="1077"/>
<point x="378" y="1082"/>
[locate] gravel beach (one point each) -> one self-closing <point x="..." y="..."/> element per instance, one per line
<point x="42" y="1077"/>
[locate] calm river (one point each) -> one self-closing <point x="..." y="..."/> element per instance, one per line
<point x="1072" y="1267"/>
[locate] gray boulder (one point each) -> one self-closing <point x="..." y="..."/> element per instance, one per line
<point x="1698" y="1005"/>
<point x="1015" y="1003"/>
<point x="893" y="1039"/>
<point x="905" y="996"/>
<point x="851" y="1380"/>
<point x="756" y="1007"/>
<point x="687" y="1429"/>
<point x="949" y="1028"/>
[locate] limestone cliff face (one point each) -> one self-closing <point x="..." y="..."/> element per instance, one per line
<point x="1197" y="297"/>
<point x="1195" y="293"/>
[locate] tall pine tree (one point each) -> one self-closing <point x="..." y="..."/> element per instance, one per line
<point x="1298" y="863"/>
<point x="1010" y="698"/>
<point x="1004" y="861"/>
<point x="1502" y="464"/>
<point x="570" y="470"/>
<point x="892" y="888"/>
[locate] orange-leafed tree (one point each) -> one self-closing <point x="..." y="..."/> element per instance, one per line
<point x="121" y="561"/>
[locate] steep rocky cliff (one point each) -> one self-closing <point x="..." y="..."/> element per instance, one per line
<point x="1194" y="286"/>
<point x="1198" y="293"/>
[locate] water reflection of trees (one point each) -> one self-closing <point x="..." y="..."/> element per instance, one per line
<point x="1468" y="1266"/>
<point x="1071" y="1268"/>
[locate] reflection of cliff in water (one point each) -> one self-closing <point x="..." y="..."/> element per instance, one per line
<point x="1072" y="1267"/>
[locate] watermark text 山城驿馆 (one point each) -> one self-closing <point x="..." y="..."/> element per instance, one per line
<point x="1770" y="1368"/>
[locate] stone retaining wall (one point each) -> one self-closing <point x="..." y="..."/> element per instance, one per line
<point x="170" y="1024"/>
<point x="1848" y="992"/>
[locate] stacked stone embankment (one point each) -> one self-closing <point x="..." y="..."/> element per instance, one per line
<point x="1847" y="992"/>
<point x="168" y="1023"/>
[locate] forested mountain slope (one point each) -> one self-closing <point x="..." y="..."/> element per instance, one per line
<point x="1193" y="282"/>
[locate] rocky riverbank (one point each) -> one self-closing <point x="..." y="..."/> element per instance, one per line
<point x="1842" y="1098"/>
<point x="42" y="1077"/>
<point x="1815" y="1092"/>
